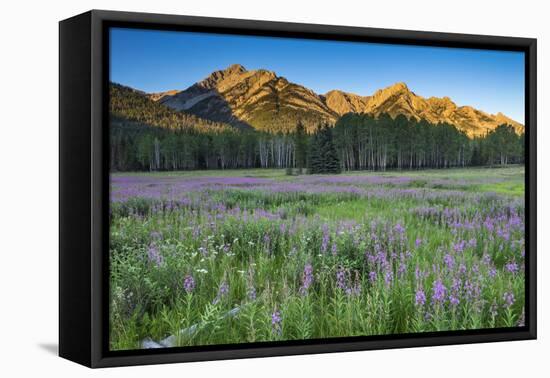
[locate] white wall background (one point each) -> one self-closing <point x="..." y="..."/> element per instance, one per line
<point x="29" y="187"/>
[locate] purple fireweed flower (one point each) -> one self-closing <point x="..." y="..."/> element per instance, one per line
<point x="504" y="234"/>
<point x="401" y="270"/>
<point x="341" y="279"/>
<point x="354" y="290"/>
<point x="399" y="228"/>
<point x="381" y="258"/>
<point x="508" y="299"/>
<point x="371" y="258"/>
<point x="372" y="276"/>
<point x="489" y="225"/>
<point x="326" y="237"/>
<point x="512" y="267"/>
<point x="189" y="284"/>
<point x="469" y="289"/>
<point x="307" y="279"/>
<point x="457" y="284"/>
<point x="420" y="297"/>
<point x="252" y="293"/>
<point x="459" y="247"/>
<point x="154" y="255"/>
<point x="388" y="277"/>
<point x="418" y="242"/>
<point x="418" y="274"/>
<point x="453" y="300"/>
<point x="276" y="320"/>
<point x="439" y="292"/>
<point x="334" y="249"/>
<point x="449" y="261"/>
<point x="492" y="272"/>
<point x="222" y="292"/>
<point x="224" y="289"/>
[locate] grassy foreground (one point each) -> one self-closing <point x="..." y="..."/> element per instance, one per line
<point x="221" y="257"/>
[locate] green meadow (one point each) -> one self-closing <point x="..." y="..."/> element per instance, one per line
<point x="256" y="255"/>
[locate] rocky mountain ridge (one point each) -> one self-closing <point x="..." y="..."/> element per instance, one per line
<point x="267" y="102"/>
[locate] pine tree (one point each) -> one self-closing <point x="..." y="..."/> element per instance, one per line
<point x="330" y="154"/>
<point x="315" y="158"/>
<point x="323" y="156"/>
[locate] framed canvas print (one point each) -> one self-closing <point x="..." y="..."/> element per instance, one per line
<point x="233" y="188"/>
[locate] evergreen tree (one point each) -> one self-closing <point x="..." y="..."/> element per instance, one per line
<point x="476" y="153"/>
<point x="330" y="154"/>
<point x="323" y="156"/>
<point x="300" y="147"/>
<point x="315" y="158"/>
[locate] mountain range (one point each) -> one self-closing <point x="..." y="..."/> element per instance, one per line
<point x="265" y="101"/>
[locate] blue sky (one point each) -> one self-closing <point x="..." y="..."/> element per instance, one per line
<point x="155" y="61"/>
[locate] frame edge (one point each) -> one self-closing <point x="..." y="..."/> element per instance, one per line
<point x="74" y="148"/>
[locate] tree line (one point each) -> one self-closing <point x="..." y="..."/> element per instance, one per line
<point x="365" y="142"/>
<point x="138" y="147"/>
<point x="356" y="142"/>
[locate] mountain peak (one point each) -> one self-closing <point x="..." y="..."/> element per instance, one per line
<point x="399" y="86"/>
<point x="216" y="77"/>
<point x="385" y="96"/>
<point x="394" y="89"/>
<point x="235" y="68"/>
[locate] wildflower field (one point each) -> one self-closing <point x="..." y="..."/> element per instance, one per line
<point x="222" y="257"/>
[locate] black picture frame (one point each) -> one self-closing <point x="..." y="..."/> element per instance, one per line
<point x="84" y="187"/>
